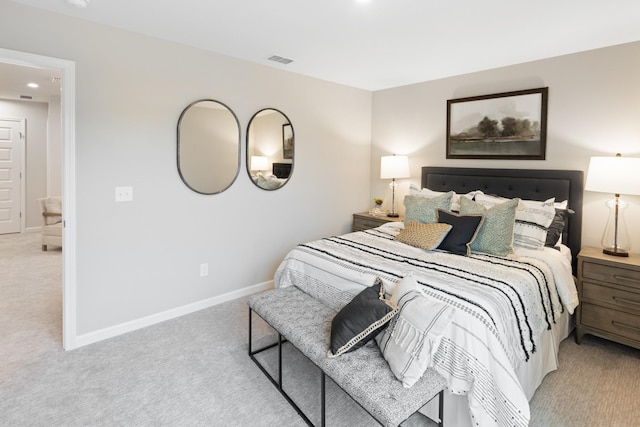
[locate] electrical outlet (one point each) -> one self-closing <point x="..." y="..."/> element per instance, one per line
<point x="124" y="194"/>
<point x="204" y="269"/>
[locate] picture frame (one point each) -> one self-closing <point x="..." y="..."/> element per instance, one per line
<point x="287" y="141"/>
<point x="507" y="126"/>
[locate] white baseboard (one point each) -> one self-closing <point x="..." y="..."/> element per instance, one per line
<point x="123" y="328"/>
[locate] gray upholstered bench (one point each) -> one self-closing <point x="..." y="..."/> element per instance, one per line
<point x="364" y="374"/>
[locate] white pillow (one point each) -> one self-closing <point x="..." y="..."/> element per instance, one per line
<point x="414" y="334"/>
<point x="455" y="200"/>
<point x="532" y="223"/>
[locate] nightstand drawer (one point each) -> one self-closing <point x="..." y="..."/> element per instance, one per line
<point x="618" y="299"/>
<point x="612" y="321"/>
<point x="614" y="275"/>
<point x="369" y="223"/>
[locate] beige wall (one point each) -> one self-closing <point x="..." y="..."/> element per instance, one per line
<point x="593" y="109"/>
<point x="141" y="258"/>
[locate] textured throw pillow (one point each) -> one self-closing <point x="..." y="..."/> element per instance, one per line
<point x="414" y="335"/>
<point x="423" y="209"/>
<point x="360" y="320"/>
<point x="455" y="199"/>
<point x="554" y="233"/>
<point x="530" y="228"/>
<point x="463" y="232"/>
<point x="423" y="236"/>
<point x="495" y="236"/>
<point x="53" y="205"/>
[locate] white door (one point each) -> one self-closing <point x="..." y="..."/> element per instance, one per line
<point x="10" y="175"/>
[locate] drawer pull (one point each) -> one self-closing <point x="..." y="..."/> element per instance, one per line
<point x="626" y="302"/>
<point x="626" y="279"/>
<point x="624" y="326"/>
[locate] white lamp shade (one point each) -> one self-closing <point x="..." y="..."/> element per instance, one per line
<point x="259" y="163"/>
<point x="394" y="167"/>
<point x="616" y="175"/>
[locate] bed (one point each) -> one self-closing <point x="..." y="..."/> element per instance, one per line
<point x="511" y="310"/>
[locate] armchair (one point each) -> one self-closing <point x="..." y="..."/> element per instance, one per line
<point x="51" y="208"/>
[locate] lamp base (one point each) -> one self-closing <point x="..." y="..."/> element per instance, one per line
<point x="615" y="252"/>
<point x="393" y="215"/>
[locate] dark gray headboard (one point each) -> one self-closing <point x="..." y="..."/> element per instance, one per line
<point x="531" y="184"/>
<point x="281" y="170"/>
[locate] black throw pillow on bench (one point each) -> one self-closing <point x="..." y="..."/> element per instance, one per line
<point x="360" y="320"/>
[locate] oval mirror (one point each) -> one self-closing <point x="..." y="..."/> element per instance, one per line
<point x="208" y="146"/>
<point x="270" y="149"/>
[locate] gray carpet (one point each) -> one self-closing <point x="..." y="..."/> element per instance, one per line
<point x="194" y="370"/>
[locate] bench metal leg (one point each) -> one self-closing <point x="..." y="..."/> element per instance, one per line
<point x="441" y="408"/>
<point x="323" y="380"/>
<point x="278" y="383"/>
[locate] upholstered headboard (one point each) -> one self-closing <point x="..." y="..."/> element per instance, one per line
<point x="531" y="184"/>
<point x="282" y="170"/>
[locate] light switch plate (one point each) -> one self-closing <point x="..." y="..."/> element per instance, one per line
<point x="124" y="194"/>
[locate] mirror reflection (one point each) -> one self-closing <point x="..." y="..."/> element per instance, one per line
<point x="208" y="146"/>
<point x="270" y="149"/>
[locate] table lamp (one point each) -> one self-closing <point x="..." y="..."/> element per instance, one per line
<point x="617" y="175"/>
<point x="392" y="167"/>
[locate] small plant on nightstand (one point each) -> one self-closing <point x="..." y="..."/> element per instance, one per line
<point x="377" y="209"/>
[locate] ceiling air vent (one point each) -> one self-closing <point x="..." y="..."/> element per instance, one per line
<point x="280" y="59"/>
<point x="26" y="97"/>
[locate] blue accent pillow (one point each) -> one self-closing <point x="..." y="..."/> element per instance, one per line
<point x="495" y="236"/>
<point x="464" y="230"/>
<point x="423" y="209"/>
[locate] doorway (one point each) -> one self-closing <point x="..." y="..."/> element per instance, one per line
<point x="67" y="70"/>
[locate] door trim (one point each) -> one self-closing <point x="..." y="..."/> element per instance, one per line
<point x="67" y="108"/>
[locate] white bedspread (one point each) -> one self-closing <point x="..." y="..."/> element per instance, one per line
<point x="503" y="305"/>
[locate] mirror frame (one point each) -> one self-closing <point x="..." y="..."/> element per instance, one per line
<point x="235" y="177"/>
<point x="248" y="157"/>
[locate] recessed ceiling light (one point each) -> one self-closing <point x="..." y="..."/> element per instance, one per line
<point x="33" y="85"/>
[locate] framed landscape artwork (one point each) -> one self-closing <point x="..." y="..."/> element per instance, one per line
<point x="509" y="125"/>
<point x="287" y="141"/>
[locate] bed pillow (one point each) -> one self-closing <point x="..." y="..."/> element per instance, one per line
<point x="464" y="230"/>
<point x="423" y="209"/>
<point x="495" y="236"/>
<point x="53" y="205"/>
<point x="532" y="223"/>
<point x="360" y="320"/>
<point x="455" y="199"/>
<point x="554" y="233"/>
<point x="414" y="335"/>
<point x="423" y="236"/>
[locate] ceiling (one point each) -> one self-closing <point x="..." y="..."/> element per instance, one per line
<point x="374" y="44"/>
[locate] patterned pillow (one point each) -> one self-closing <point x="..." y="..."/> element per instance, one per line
<point x="423" y="209"/>
<point x="361" y="320"/>
<point x="495" y="236"/>
<point x="532" y="223"/>
<point x="554" y="233"/>
<point x="423" y="236"/>
<point x="414" y="335"/>
<point x="53" y="205"/>
<point x="455" y="199"/>
<point x="464" y="231"/>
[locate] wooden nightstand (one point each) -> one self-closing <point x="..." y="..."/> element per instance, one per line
<point x="365" y="221"/>
<point x="609" y="292"/>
